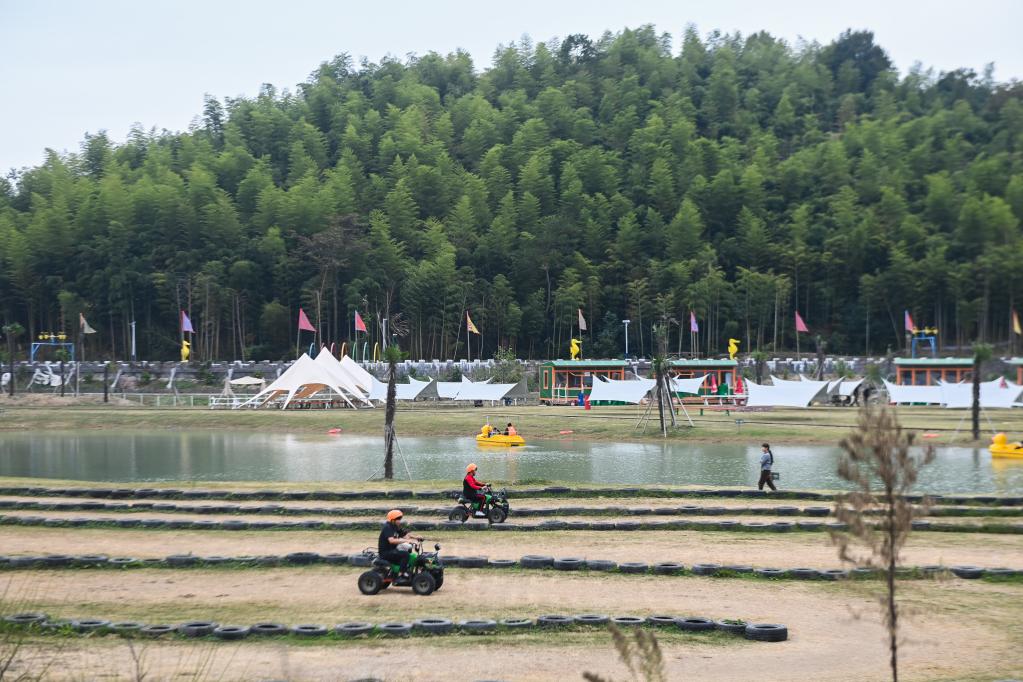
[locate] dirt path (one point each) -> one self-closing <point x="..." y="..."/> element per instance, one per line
<point x="762" y="550"/>
<point x="835" y="631"/>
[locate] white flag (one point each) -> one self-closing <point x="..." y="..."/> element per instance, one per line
<point x="86" y="329"/>
<point x="582" y="320"/>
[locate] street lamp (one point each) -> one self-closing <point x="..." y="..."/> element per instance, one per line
<point x="626" y="323"/>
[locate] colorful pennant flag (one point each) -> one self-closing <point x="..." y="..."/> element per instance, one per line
<point x="360" y="326"/>
<point x="910" y="327"/>
<point x="186" y="324"/>
<point x="693" y="327"/>
<point x="800" y="325"/>
<point x="84" y="326"/>
<point x="303" y="322"/>
<point x="1015" y="323"/>
<point x="469" y="325"/>
<point x="582" y="320"/>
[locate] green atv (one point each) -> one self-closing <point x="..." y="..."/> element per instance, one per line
<point x="426" y="573"/>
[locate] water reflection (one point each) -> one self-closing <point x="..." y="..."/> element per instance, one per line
<point x="211" y="456"/>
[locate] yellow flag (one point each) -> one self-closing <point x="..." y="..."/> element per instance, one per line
<point x="469" y="325"/>
<point x="1015" y="323"/>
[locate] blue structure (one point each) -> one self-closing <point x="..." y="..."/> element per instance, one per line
<point x="50" y="339"/>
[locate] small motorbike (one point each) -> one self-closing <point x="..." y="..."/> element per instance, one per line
<point x="496" y="510"/>
<point x="426" y="573"/>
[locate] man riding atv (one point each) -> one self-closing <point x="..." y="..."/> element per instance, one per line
<point x="473" y="489"/>
<point x="392" y="535"/>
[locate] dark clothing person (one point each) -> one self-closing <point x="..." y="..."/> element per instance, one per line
<point x="390" y="552"/>
<point x="766" y="462"/>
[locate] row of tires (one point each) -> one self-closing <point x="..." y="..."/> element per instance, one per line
<point x="761" y="632"/>
<point x="549" y="491"/>
<point x="478" y="524"/>
<point x="529" y="561"/>
<point x="278" y="510"/>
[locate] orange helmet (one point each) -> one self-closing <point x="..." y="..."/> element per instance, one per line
<point x="394" y="515"/>
<point x="471" y="468"/>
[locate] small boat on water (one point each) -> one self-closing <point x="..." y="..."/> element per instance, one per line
<point x="488" y="435"/>
<point x="1001" y="447"/>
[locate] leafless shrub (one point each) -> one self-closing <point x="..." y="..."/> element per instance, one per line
<point x="641" y="655"/>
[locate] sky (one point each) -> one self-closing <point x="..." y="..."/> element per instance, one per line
<point x="67" y="68"/>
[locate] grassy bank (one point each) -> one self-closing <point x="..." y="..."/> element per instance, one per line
<point x="619" y="423"/>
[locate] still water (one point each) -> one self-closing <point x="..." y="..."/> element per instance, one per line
<point x="236" y="456"/>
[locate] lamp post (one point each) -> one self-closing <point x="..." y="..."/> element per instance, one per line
<point x="626" y="323"/>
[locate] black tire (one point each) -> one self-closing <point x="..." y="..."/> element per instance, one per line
<point x="57" y="560"/>
<point x="268" y="629"/>
<point x="231" y="632"/>
<point x="309" y="631"/>
<point x="735" y="627"/>
<point x="180" y="560"/>
<point x="805" y="573"/>
<point x="335" y="559"/>
<point x="628" y="621"/>
<point x="438" y="577"/>
<point x="361" y="559"/>
<point x="197" y="628"/>
<point x="554" y="621"/>
<point x="967" y="572"/>
<point x="435" y="626"/>
<point x="691" y="624"/>
<point x="600" y="565"/>
<point x="705" y="569"/>
<point x="459" y="514"/>
<point x="767" y="632"/>
<point x="662" y="621"/>
<point x="302" y="558"/>
<point x="156" y="630"/>
<point x="591" y="619"/>
<point x="395" y="629"/>
<point x="477" y="626"/>
<point x="370" y="583"/>
<point x="472" y="562"/>
<point x="668" y="568"/>
<point x="633" y="567"/>
<point x="517" y="623"/>
<point x="423" y="584"/>
<point x="502" y="563"/>
<point x="25" y="618"/>
<point x="123" y="562"/>
<point x="126" y="628"/>
<point x="569" y="564"/>
<point x="536" y="561"/>
<point x="91" y="560"/>
<point x="90" y="625"/>
<point x="738" y="568"/>
<point x="354" y="629"/>
<point x="834" y="574"/>
<point x="497" y="515"/>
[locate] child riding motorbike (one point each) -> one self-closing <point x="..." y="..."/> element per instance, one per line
<point x="475" y="490"/>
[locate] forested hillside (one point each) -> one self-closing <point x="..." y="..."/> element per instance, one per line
<point x="739" y="177"/>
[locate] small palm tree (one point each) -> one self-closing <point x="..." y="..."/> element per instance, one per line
<point x="392" y="356"/>
<point x="982" y="352"/>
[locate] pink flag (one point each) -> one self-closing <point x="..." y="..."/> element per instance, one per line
<point x="186" y="324"/>
<point x="303" y="322"/>
<point x="693" y="327"/>
<point x="909" y="323"/>
<point x="360" y="326"/>
<point x="800" y="325"/>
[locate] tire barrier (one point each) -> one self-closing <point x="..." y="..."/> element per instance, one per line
<point x="362" y="559"/>
<point x="424" y="626"/>
<point x="549" y="491"/>
<point x="427" y="525"/>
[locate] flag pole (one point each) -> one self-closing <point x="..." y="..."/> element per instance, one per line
<point x="468" y="338"/>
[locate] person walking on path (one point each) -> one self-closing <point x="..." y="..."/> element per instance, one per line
<point x="766" y="462"/>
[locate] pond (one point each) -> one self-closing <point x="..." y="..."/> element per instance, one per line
<point x="237" y="456"/>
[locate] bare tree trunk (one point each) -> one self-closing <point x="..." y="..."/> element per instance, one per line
<point x="392" y="372"/>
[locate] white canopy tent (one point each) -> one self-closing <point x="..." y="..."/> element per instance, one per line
<point x="902" y="395"/>
<point x="996" y="394"/>
<point x="342" y="378"/>
<point x="627" y="391"/>
<point x="304" y="379"/>
<point x="247" y="381"/>
<point x="784" y="393"/>
<point x="849" y="386"/>
<point x="410" y="391"/>
<point x="687" y="385"/>
<point x="363" y="379"/>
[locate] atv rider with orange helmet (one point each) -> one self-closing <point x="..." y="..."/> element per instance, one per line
<point x="391" y="536"/>
<point x="475" y="490"/>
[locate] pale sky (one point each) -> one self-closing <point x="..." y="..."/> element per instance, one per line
<point x="68" y="67"/>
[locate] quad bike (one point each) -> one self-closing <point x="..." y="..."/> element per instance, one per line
<point x="496" y="510"/>
<point x="426" y="573"/>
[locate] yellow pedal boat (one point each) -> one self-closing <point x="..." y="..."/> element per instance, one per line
<point x="1000" y="447"/>
<point x="499" y="439"/>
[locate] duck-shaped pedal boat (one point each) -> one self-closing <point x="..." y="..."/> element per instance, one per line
<point x="1001" y="447"/>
